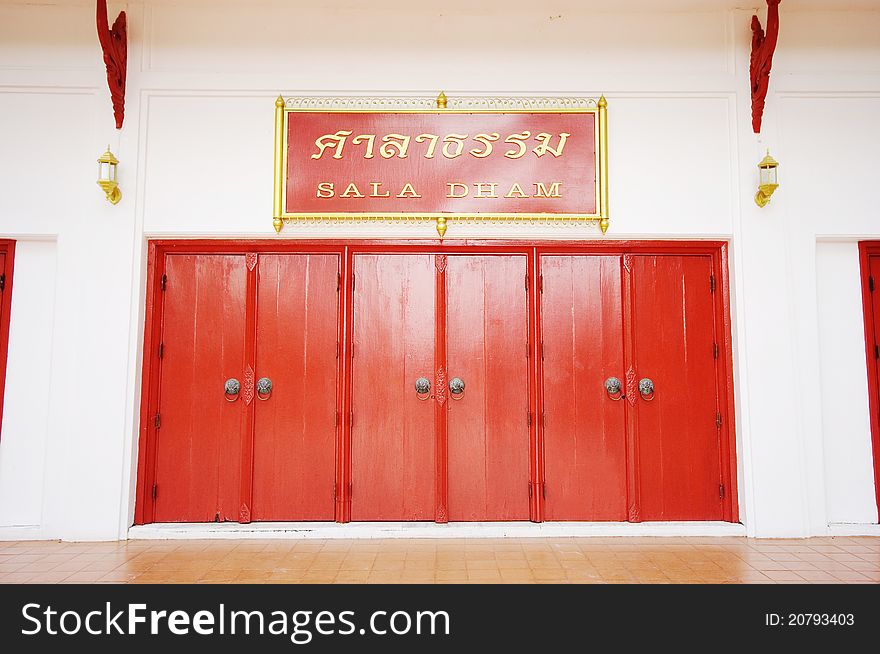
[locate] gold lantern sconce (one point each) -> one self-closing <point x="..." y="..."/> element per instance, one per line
<point x="107" y="164"/>
<point x="768" y="181"/>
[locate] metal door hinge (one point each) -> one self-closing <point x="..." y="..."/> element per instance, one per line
<point x="715" y="350"/>
<point x="871" y="283"/>
<point x="157" y="421"/>
<point x="721" y="491"/>
<point x="2" y="282"/>
<point x="164" y="282"/>
<point x="161" y="350"/>
<point x="718" y="420"/>
<point x="711" y="283"/>
<point x="155" y="491"/>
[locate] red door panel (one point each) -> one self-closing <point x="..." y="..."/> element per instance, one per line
<point x="488" y="431"/>
<point x="874" y="272"/>
<point x="673" y="339"/>
<point x="872" y="317"/>
<point x="199" y="440"/>
<point x="584" y="429"/>
<point x="295" y="428"/>
<point x="5" y="303"/>
<point x="392" y="435"/>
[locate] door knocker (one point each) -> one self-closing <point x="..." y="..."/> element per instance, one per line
<point x="423" y="388"/>
<point x="614" y="388"/>
<point x="231" y="389"/>
<point x="646" y="389"/>
<point x="264" y="388"/>
<point x="456" y="388"/>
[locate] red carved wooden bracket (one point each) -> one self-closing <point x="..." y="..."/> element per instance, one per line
<point x="763" y="47"/>
<point x="114" y="44"/>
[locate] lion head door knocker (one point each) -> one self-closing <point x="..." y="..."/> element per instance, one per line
<point x="456" y="388"/>
<point x="423" y="388"/>
<point x="231" y="389"/>
<point x="646" y="389"/>
<point x="264" y="388"/>
<point x="614" y="388"/>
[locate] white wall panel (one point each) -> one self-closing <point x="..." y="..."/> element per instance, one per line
<point x="38" y="36"/>
<point x="670" y="165"/>
<point x="847" y="432"/>
<point x="829" y="144"/>
<point x="28" y="373"/>
<point x="822" y="41"/>
<point x="416" y="45"/>
<point x="209" y="164"/>
<point x="47" y="160"/>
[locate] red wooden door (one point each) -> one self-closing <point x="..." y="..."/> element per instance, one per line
<point x="872" y="336"/>
<point x="679" y="469"/>
<point x="392" y="434"/>
<point x="6" y="256"/>
<point x="294" y="437"/>
<point x="488" y="428"/>
<point x="199" y="435"/>
<point x="873" y="280"/>
<point x="584" y="428"/>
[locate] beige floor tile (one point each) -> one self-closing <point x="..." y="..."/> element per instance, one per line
<point x="525" y="560"/>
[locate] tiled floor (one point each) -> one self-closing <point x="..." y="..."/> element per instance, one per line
<point x="553" y="560"/>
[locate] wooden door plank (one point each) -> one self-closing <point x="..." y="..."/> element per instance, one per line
<point x="295" y="427"/>
<point x="679" y="460"/>
<point x="488" y="430"/>
<point x="392" y="437"/>
<point x="584" y="431"/>
<point x="199" y="438"/>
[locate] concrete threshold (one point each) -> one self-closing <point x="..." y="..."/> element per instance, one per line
<point x="366" y="530"/>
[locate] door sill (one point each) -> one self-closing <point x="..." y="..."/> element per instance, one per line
<point x="853" y="529"/>
<point x="327" y="530"/>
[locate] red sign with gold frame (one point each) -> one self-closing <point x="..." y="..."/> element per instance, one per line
<point x="497" y="159"/>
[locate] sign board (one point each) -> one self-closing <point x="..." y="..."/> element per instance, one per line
<point x="499" y="159"/>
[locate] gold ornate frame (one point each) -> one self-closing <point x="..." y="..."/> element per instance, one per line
<point x="439" y="105"/>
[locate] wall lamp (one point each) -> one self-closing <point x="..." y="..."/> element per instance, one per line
<point x="767" y="180"/>
<point x="107" y="176"/>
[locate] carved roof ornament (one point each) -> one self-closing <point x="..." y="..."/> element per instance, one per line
<point x="114" y="44"/>
<point x="763" y="47"/>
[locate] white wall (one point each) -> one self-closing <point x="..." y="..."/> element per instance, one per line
<point x="846" y="428"/>
<point x="26" y="405"/>
<point x="196" y="160"/>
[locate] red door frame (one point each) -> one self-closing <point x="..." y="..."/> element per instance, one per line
<point x="7" y="247"/>
<point x="157" y="250"/>
<point x="868" y="249"/>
